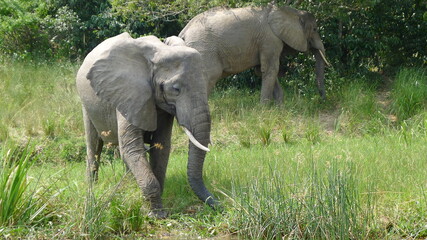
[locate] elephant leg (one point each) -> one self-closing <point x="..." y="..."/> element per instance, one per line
<point x="278" y="93"/>
<point x="93" y="148"/>
<point x="270" y="88"/>
<point x="133" y="153"/>
<point x="160" y="146"/>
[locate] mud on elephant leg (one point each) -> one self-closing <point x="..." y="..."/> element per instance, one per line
<point x="133" y="153"/>
<point x="93" y="148"/>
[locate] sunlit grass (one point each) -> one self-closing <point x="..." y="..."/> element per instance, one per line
<point x="409" y="94"/>
<point x="38" y="100"/>
<point x="340" y="169"/>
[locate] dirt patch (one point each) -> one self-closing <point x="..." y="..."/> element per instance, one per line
<point x="328" y="120"/>
<point x="384" y="101"/>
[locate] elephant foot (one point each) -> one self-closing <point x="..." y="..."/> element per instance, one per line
<point x="157" y="214"/>
<point x="156" y="210"/>
<point x="278" y="94"/>
<point x="215" y="205"/>
<point x="93" y="176"/>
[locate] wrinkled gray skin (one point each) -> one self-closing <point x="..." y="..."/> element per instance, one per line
<point x="131" y="89"/>
<point x="233" y="40"/>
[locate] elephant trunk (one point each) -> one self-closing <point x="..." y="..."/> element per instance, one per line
<point x="320" y="71"/>
<point x="196" y="156"/>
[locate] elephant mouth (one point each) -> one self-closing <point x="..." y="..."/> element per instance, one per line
<point x="169" y="108"/>
<point x="194" y="140"/>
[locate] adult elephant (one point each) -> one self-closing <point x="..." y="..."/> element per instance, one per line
<point x="131" y="89"/>
<point x="233" y="40"/>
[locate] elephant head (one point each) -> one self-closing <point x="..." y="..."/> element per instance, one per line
<point x="174" y="41"/>
<point x="140" y="78"/>
<point x="136" y="75"/>
<point x="298" y="30"/>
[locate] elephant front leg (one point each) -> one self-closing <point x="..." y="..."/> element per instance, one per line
<point x="160" y="146"/>
<point x="278" y="92"/>
<point x="270" y="65"/>
<point x="133" y="153"/>
<point x="270" y="88"/>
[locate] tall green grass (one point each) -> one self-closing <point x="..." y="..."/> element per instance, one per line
<point x="409" y="93"/>
<point x="20" y="203"/>
<point x="342" y="169"/>
<point x="38" y="99"/>
<point x="14" y="205"/>
<point x="362" y="188"/>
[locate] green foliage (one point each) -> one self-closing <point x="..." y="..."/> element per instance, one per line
<point x="21" y="30"/>
<point x="65" y="29"/>
<point x="409" y="93"/>
<point x="359" y="35"/>
<point x="372" y="35"/>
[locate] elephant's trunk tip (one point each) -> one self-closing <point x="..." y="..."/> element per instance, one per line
<point x="194" y="140"/>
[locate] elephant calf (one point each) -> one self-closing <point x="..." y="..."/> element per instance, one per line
<point x="131" y="89"/>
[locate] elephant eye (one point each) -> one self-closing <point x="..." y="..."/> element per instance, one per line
<point x="162" y="86"/>
<point x="176" y="87"/>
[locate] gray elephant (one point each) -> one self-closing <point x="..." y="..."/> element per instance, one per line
<point x="131" y="89"/>
<point x="233" y="40"/>
<point x="174" y="41"/>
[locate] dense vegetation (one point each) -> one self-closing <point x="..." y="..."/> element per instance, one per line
<point x="352" y="167"/>
<point x="374" y="35"/>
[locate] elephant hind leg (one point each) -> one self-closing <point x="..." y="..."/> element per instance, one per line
<point x="93" y="148"/>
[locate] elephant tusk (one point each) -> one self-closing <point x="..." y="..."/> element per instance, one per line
<point x="194" y="141"/>
<point x="324" y="58"/>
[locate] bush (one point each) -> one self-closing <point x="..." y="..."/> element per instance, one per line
<point x="64" y="29"/>
<point x="22" y="36"/>
<point x="359" y="36"/>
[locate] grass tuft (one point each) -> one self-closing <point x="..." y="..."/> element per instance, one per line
<point x="19" y="204"/>
<point x="265" y="135"/>
<point x="409" y="93"/>
<point x="325" y="205"/>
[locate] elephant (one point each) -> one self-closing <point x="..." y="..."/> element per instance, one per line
<point x="131" y="90"/>
<point x="174" y="41"/>
<point x="232" y="40"/>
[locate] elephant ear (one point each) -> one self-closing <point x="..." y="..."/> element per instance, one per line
<point x="121" y="76"/>
<point x="286" y="24"/>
